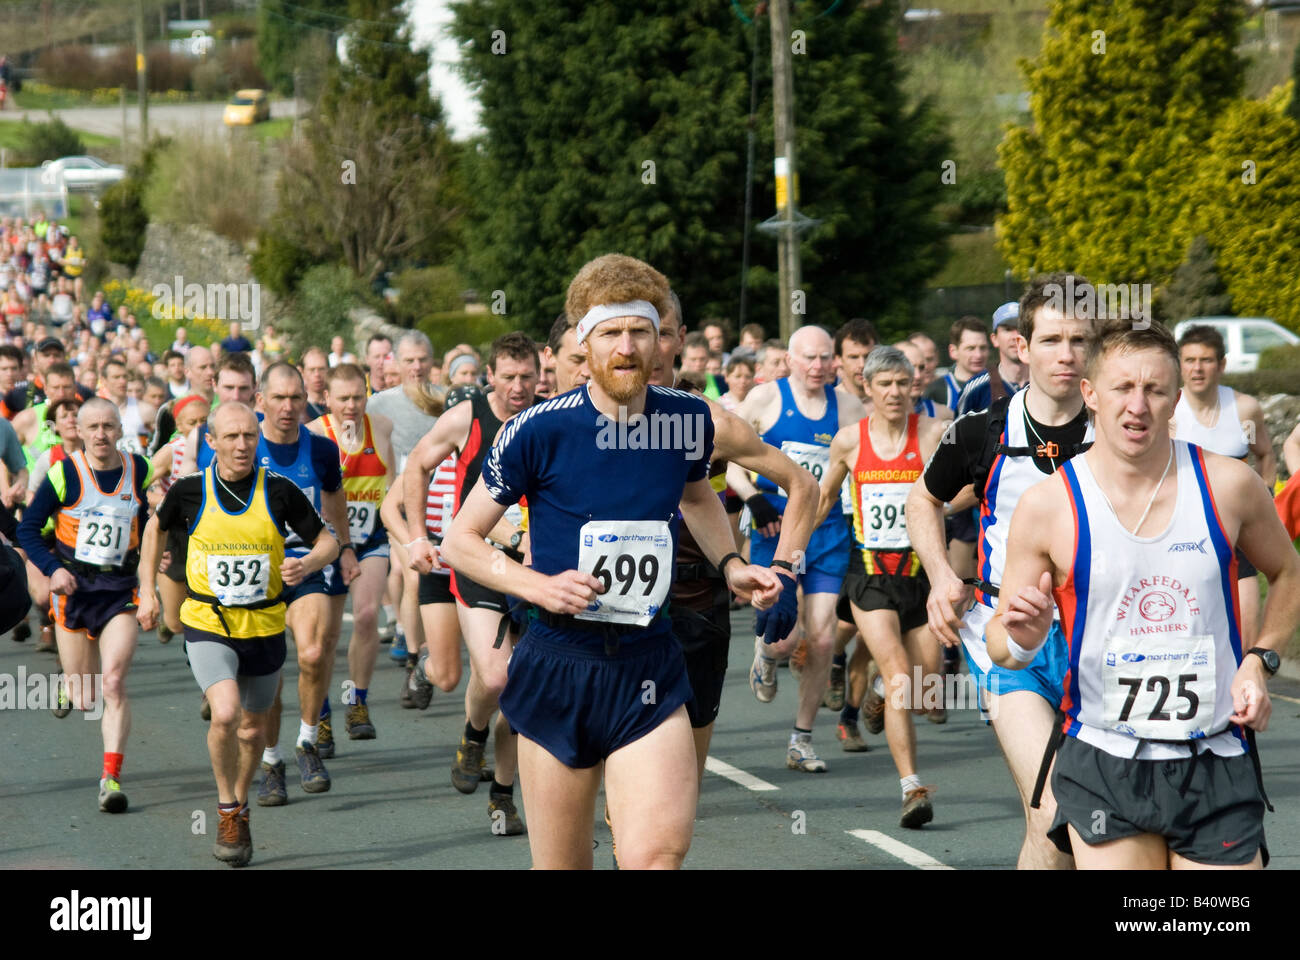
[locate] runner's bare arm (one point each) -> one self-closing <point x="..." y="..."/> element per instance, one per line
<point x="324" y="550"/>
<point x="189" y="461"/>
<point x="162" y="462"/>
<point x="736" y="442"/>
<point x="447" y="435"/>
<point x="465" y="549"/>
<point x="843" y="445"/>
<point x="1261" y="444"/>
<point x="1025" y="606"/>
<point x="382" y="430"/>
<point x="949" y="597"/>
<point x="1243" y="499"/>
<point x="1291" y="451"/>
<point x="390" y="512"/>
<point x="151" y="548"/>
<point x="703" y="513"/>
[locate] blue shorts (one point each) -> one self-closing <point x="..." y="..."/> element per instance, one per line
<point x="1044" y="676"/>
<point x="566" y="694"/>
<point x="825" y="561"/>
<point x="328" y="581"/>
<point x="372" y="548"/>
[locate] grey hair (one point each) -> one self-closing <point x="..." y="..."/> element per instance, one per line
<point x="417" y="338"/>
<point x="886" y="360"/>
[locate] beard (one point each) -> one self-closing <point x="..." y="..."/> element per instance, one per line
<point x="622" y="385"/>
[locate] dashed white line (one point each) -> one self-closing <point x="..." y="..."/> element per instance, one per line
<point x="909" y="855"/>
<point x="736" y="775"/>
<point x="1278" y="696"/>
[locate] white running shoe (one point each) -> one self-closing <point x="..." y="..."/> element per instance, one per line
<point x="762" y="675"/>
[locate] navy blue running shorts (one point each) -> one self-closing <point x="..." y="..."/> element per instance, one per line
<point x="564" y="692"/>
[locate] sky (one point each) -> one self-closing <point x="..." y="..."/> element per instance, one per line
<point x="428" y="18"/>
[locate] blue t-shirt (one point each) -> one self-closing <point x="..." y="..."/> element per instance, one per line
<point x="577" y="467"/>
<point x="978" y="394"/>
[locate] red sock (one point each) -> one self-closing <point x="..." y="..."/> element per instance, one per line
<point x="113" y="766"/>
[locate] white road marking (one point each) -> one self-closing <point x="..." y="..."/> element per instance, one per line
<point x="736" y="775"/>
<point x="909" y="855"/>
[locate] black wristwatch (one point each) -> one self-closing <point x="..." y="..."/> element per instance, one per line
<point x="348" y="546"/>
<point x="516" y="538"/>
<point x="1271" y="660"/>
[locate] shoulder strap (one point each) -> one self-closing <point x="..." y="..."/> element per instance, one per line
<point x="992" y="446"/>
<point x="997" y="389"/>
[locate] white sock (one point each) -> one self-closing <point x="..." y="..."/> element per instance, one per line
<point x="271" y="755"/>
<point x="389" y="613"/>
<point x="307" y="733"/>
<point x="878" y="685"/>
<point x="909" y="783"/>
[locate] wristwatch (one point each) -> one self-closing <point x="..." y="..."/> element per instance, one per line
<point x="516" y="538"/>
<point x="1271" y="660"/>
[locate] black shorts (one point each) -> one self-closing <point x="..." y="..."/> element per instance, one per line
<point x="435" y="588"/>
<point x="1208" y="808"/>
<point x="881" y="591"/>
<point x="91" y="610"/>
<point x="476" y="596"/>
<point x="963" y="526"/>
<point x="1245" y="568"/>
<point x="257" y="657"/>
<point x="705" y="639"/>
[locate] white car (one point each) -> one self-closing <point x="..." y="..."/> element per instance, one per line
<point x="1244" y="337"/>
<point x="82" y="173"/>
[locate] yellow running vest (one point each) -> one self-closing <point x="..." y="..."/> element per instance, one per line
<point x="232" y="567"/>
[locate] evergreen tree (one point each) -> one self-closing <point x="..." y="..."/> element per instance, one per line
<point x="1293" y="107"/>
<point x="285" y="30"/>
<point x="621" y="126"/>
<point x="1247" y="191"/>
<point x="1196" y="289"/>
<point x="371" y="184"/>
<point x="1124" y="97"/>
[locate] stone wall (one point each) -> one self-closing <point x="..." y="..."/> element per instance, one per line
<point x="198" y="256"/>
<point x="1282" y="412"/>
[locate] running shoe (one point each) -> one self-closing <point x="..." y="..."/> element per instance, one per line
<point x="833" y="698"/>
<point x="62" y="703"/>
<point x="398" y="649"/>
<point x="762" y="675"/>
<point x="325" y="737"/>
<point x="404" y="698"/>
<point x="111" y="797"/>
<point x="315" y="778"/>
<point x="205" y="709"/>
<point x="504" y="816"/>
<point x="164" y="634"/>
<point x="421" y="688"/>
<point x="799" y="658"/>
<point x="388" y="632"/>
<point x="873" y="708"/>
<point x="850" y="739"/>
<point x="800" y="756"/>
<point x="234" y="838"/>
<point x="917" y="810"/>
<point x="359" y="725"/>
<point x="22" y="632"/>
<point x="937" y="715"/>
<point x="272" y="791"/>
<point x="467" y="771"/>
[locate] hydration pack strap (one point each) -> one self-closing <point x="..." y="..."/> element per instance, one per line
<point x="1053" y="744"/>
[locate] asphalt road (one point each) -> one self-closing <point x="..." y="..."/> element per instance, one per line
<point x="392" y="804"/>
<point x="169" y="119"/>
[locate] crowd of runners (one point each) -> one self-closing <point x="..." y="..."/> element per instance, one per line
<point x="585" y="515"/>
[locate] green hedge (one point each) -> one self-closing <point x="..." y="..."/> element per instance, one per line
<point x="453" y="327"/>
<point x="1281" y="358"/>
<point x="1262" y="383"/>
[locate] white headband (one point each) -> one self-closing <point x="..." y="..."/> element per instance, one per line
<point x="608" y="311"/>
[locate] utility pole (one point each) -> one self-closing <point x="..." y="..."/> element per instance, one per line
<point x="141" y="75"/>
<point x="786" y="168"/>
